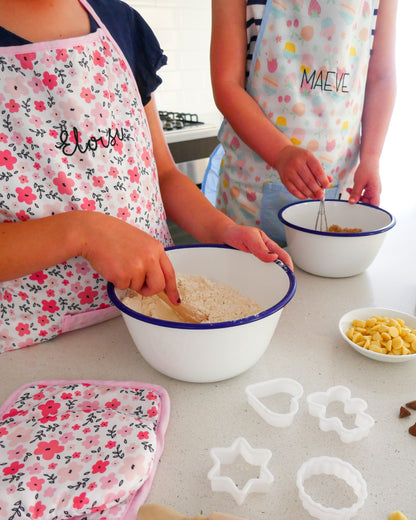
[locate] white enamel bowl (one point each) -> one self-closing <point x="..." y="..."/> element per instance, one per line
<point x="367" y="312"/>
<point x="212" y="352"/>
<point x="335" y="255"/>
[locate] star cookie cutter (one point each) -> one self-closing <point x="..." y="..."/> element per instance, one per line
<point x="257" y="391"/>
<point x="319" y="401"/>
<point x="253" y="456"/>
<point x="338" y="468"/>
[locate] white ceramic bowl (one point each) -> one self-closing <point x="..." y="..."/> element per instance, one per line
<point x="335" y="255"/>
<point x="367" y="312"/>
<point x="213" y="351"/>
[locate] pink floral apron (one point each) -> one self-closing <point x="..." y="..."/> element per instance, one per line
<point x="74" y="136"/>
<point x="80" y="449"/>
<point x="308" y="74"/>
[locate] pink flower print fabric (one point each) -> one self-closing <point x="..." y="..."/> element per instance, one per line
<point x="74" y="136"/>
<point x="85" y="450"/>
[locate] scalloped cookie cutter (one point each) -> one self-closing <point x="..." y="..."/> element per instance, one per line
<point x="319" y="401"/>
<point x="338" y="468"/>
<point x="253" y="456"/>
<point x="257" y="391"/>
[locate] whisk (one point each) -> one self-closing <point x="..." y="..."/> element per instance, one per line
<point x="321" y="222"/>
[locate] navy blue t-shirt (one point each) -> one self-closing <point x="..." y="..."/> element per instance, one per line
<point x="134" y="37"/>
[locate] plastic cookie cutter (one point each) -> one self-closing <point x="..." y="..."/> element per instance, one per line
<point x="257" y="391"/>
<point x="337" y="468"/>
<point x="254" y="457"/>
<point x="319" y="401"/>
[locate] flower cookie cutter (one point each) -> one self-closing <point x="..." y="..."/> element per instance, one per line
<point x="253" y="456"/>
<point x="257" y="391"/>
<point x="319" y="401"/>
<point x="338" y="468"/>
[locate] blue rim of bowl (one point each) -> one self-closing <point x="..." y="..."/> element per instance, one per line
<point x="327" y="233"/>
<point x="219" y="325"/>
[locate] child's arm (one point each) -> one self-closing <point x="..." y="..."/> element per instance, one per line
<point x="299" y="170"/>
<point x="380" y="95"/>
<point x="192" y="211"/>
<point x="30" y="246"/>
<point x="120" y="252"/>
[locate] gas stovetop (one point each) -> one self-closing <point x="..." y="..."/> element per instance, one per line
<point x="178" y="120"/>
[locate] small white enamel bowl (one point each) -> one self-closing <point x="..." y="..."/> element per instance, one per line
<point x="364" y="314"/>
<point x="208" y="352"/>
<point x="335" y="255"/>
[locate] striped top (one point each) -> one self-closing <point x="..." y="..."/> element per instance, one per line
<point x="254" y="16"/>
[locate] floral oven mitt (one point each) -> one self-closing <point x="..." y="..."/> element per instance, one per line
<point x="85" y="449"/>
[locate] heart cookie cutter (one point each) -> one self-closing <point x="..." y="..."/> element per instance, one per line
<point x="319" y="401"/>
<point x="257" y="391"/>
<point x="338" y="468"/>
<point x="253" y="456"/>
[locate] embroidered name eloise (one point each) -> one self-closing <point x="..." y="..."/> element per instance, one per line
<point x="70" y="142"/>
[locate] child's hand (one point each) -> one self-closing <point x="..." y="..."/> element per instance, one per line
<point x="302" y="173"/>
<point x="255" y="241"/>
<point x="367" y="185"/>
<point x="127" y="256"/>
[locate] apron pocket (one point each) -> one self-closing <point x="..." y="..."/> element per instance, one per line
<point x="85" y="319"/>
<point x="276" y="197"/>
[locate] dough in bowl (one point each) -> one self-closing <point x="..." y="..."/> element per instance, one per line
<point x="218" y="301"/>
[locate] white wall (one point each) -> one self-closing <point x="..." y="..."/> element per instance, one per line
<point x="398" y="167"/>
<point x="183" y="28"/>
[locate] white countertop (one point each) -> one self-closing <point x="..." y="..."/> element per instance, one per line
<point x="306" y="347"/>
<point x="190" y="133"/>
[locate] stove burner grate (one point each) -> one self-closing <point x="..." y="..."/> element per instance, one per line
<point x="178" y="120"/>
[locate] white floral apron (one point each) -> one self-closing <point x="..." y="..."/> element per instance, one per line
<point x="74" y="136"/>
<point x="308" y="75"/>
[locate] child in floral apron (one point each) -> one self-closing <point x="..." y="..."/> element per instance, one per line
<point x="86" y="175"/>
<point x="311" y="112"/>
